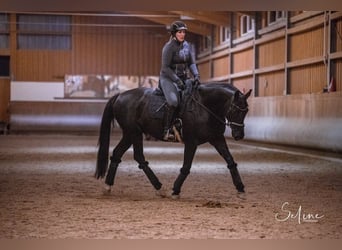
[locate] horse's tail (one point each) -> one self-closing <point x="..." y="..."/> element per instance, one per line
<point x="104" y="138"/>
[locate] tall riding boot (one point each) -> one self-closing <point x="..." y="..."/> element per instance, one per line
<point x="168" y="120"/>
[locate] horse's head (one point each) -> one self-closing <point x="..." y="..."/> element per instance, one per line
<point x="236" y="114"/>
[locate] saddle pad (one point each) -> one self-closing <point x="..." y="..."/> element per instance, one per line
<point x="156" y="106"/>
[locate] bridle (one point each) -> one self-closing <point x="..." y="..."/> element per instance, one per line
<point x="240" y="109"/>
<point x="226" y="123"/>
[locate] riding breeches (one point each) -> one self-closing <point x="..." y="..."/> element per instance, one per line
<point x="170" y="92"/>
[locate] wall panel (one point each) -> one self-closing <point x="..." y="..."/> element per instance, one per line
<point x="41" y="65"/>
<point x="308" y="120"/>
<point x="307" y="79"/>
<point x="204" y="70"/>
<point x="243" y="60"/>
<point x="307" y="44"/>
<point x="4" y="99"/>
<point x="337" y="34"/>
<point x="338" y="75"/>
<point x="221" y="66"/>
<point x="244" y="84"/>
<point x="337" y="47"/>
<point x="271" y="84"/>
<point x="271" y="53"/>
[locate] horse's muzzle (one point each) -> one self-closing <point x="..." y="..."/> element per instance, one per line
<point x="238" y="135"/>
<point x="237" y="138"/>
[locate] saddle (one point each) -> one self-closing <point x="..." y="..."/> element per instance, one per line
<point x="158" y="105"/>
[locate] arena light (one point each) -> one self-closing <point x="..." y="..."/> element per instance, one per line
<point x="184" y="17"/>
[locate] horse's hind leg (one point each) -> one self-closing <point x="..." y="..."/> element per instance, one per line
<point x="143" y="164"/>
<point x="222" y="148"/>
<point x="115" y="159"/>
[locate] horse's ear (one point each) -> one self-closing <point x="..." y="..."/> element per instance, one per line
<point x="248" y="93"/>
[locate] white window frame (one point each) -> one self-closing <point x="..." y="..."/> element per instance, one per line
<point x="247" y="24"/>
<point x="205" y="43"/>
<point x="224" y="34"/>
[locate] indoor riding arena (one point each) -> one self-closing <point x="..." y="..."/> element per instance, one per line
<point x="58" y="71"/>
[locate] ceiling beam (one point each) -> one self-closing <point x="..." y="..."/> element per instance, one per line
<point x="249" y="13"/>
<point x="218" y="18"/>
<point x="166" y="19"/>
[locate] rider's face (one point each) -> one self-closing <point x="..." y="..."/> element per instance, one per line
<point x="180" y="35"/>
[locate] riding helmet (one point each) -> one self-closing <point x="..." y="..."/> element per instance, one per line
<point x="177" y="26"/>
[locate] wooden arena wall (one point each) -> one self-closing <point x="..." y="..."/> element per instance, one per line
<point x="99" y="45"/>
<point x="4" y="99"/>
<point x="299" y="55"/>
<point x="288" y="67"/>
<point x="95" y="49"/>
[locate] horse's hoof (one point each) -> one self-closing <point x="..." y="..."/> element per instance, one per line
<point x="106" y="189"/>
<point x="161" y="192"/>
<point x="241" y="195"/>
<point x="240" y="188"/>
<point x="175" y="196"/>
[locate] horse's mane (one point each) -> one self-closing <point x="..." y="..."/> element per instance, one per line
<point x="224" y="85"/>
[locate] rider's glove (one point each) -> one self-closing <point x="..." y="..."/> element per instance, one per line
<point x="197" y="81"/>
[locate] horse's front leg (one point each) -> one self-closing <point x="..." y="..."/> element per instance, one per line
<point x="143" y="164"/>
<point x="222" y="148"/>
<point x="189" y="152"/>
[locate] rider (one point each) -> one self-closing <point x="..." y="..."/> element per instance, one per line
<point x="177" y="59"/>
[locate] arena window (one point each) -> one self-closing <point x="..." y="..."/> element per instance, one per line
<point x="275" y="16"/>
<point x="44" y="32"/>
<point x="4" y="31"/>
<point x="247" y="24"/>
<point x="224" y="34"/>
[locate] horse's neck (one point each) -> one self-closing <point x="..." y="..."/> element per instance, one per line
<point x="216" y="98"/>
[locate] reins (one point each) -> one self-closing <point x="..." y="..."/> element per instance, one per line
<point x="229" y="123"/>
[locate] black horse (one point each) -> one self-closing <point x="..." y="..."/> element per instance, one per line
<point x="205" y="112"/>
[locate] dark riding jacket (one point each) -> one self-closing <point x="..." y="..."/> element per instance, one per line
<point x="177" y="60"/>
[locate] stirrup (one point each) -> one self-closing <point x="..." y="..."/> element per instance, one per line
<point x="168" y="136"/>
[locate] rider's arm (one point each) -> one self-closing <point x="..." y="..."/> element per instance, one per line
<point x="192" y="65"/>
